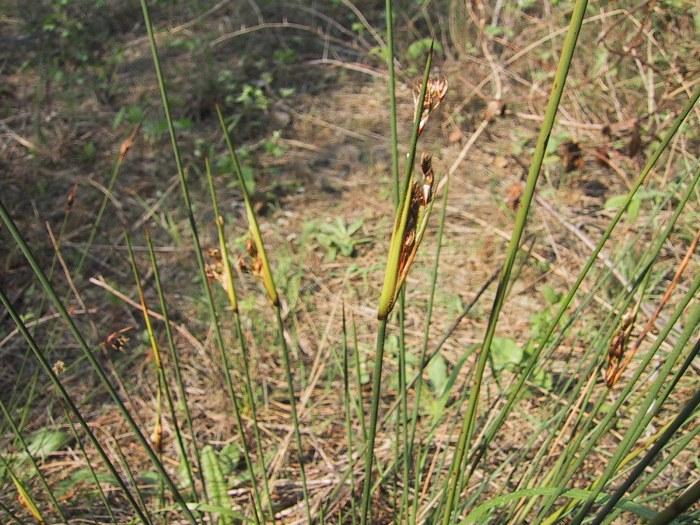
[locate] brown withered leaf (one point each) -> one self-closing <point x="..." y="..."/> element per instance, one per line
<point x="572" y="156"/>
<point x="118" y="340"/>
<point x="513" y="195"/>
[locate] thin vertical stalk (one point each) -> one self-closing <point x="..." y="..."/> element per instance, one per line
<point x="645" y="411"/>
<point x="116" y="169"/>
<point x="130" y="476"/>
<point x="160" y="371"/>
<point x="360" y="405"/>
<point x="348" y="417"/>
<point x="402" y="420"/>
<point x="197" y="249"/>
<point x="682" y="416"/>
<point x="520" y="221"/>
<point x="389" y="293"/>
<point x="645" y="272"/>
<point x="534" y="359"/>
<point x="271" y="290"/>
<point x="100" y="491"/>
<point x="11" y="514"/>
<point x="606" y="421"/>
<point x="365" y="516"/>
<point x="293" y="406"/>
<point x="233" y="303"/>
<point x="678" y="506"/>
<point x="424" y="349"/>
<point x="389" y="15"/>
<point x="178" y="373"/>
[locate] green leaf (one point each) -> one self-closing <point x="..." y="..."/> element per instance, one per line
<point x="616" y="201"/>
<point x="419" y="48"/>
<point x="229" y="458"/>
<point x="437" y="372"/>
<point x="480" y="513"/>
<point x="633" y="208"/>
<point x="46" y="441"/>
<point x="505" y="352"/>
<point x="215" y="483"/>
<point x="550" y="295"/>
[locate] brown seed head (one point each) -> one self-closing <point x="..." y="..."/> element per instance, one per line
<point x="58" y="367"/>
<point x="434" y="94"/>
<point x="426" y="165"/>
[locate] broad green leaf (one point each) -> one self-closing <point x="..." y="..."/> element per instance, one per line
<point x="46" y="441"/>
<point x="215" y="483"/>
<point x="420" y="47"/>
<point x="437" y="372"/>
<point x="505" y="352"/>
<point x="229" y="458"/>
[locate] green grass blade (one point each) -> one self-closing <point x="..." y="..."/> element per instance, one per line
<point x="643" y="412"/>
<point x="680" y="419"/>
<point x="389" y="16"/>
<point x="93" y="474"/>
<point x="160" y="371"/>
<point x="678" y="506"/>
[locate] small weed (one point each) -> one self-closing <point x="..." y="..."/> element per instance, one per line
<point x="335" y="237"/>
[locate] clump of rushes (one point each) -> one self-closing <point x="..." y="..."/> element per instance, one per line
<point x="262" y="268"/>
<point x="411" y="219"/>
<point x="222" y="271"/>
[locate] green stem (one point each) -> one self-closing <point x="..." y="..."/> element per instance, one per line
<point x="293" y="405"/>
<point x="58" y="304"/>
<point x="365" y="515"/>
<point x="424" y="348"/>
<point x="520" y="221"/>
<point x="389" y="14"/>
<point x="178" y="375"/>
<point x="26" y="450"/>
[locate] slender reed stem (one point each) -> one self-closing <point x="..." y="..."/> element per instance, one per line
<point x="58" y="304"/>
<point x="348" y="417"/>
<point x="520" y="221"/>
<point x="178" y="373"/>
<point x="293" y="405"/>
<point x="100" y="491"/>
<point x="645" y="411"/>
<point x="389" y="15"/>
<point x="424" y="349"/>
<point x="233" y="303"/>
<point x="365" y="515"/>
<point x="160" y="371"/>
<point x="678" y="506"/>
